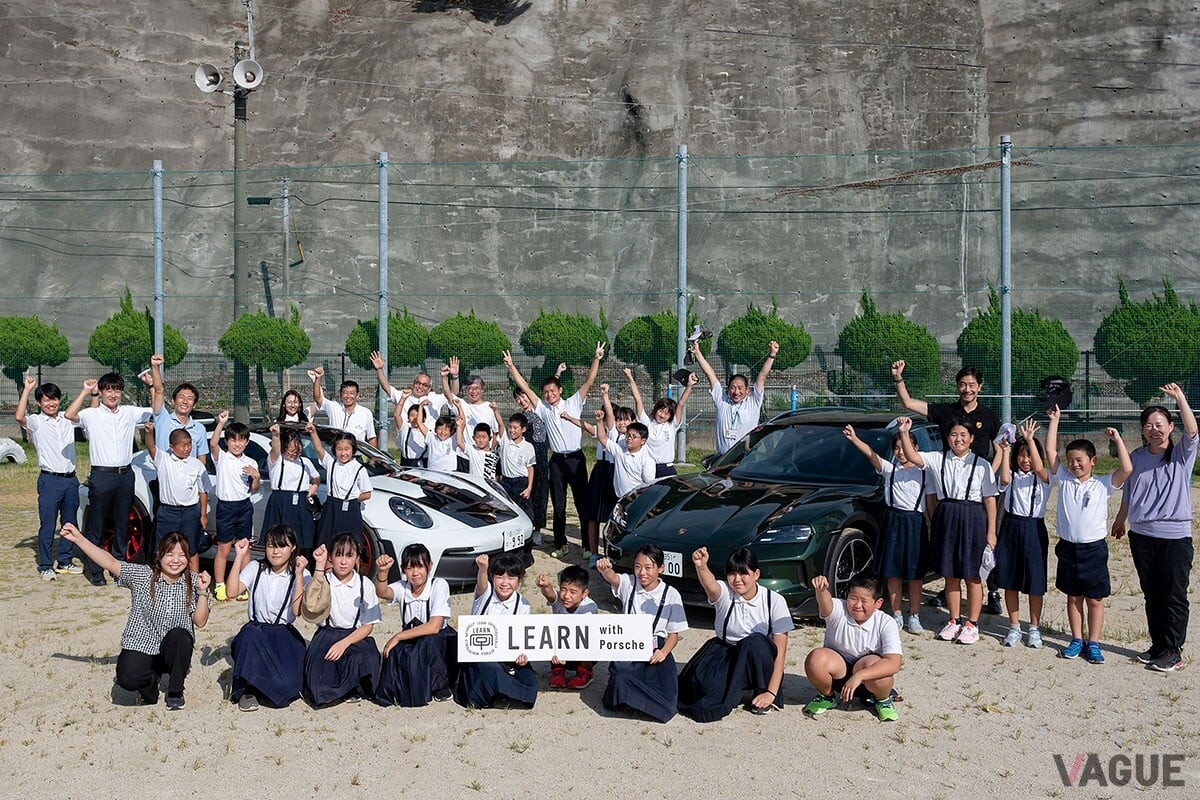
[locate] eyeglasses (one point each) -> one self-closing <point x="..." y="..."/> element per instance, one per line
<point x="421" y="383"/>
<point x="634" y="436"/>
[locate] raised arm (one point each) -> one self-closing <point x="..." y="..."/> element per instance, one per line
<point x="1124" y="464"/>
<point x="100" y="557"/>
<point x="315" y="438"/>
<point x="275" y="448"/>
<point x="683" y="398"/>
<point x="23" y="403"/>
<point x="380" y="375"/>
<point x="241" y="557"/>
<point x="708" y="581"/>
<point x="1029" y="433"/>
<point x="158" y="394"/>
<point x="605" y="568"/>
<point x="383" y="566"/>
<point x="88" y="391"/>
<point x="638" y="407"/>
<point x="481" y="575"/>
<point x="579" y="423"/>
<point x="519" y="379"/>
<point x="906" y="443"/>
<point x="593" y="370"/>
<point x="820" y="587"/>
<point x="148" y="433"/>
<point x="1002" y="462"/>
<point x="449" y="373"/>
<point x="760" y="382"/>
<point x="214" y="439"/>
<point x="1052" y="439"/>
<point x="1174" y="391"/>
<point x="907" y="400"/>
<point x="421" y="415"/>
<point x="863" y="448"/>
<point x="610" y="419"/>
<point x="548" y="593"/>
<point x="318" y="393"/>
<point x="705" y="367"/>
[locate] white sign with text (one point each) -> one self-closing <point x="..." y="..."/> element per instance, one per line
<point x="540" y="637"/>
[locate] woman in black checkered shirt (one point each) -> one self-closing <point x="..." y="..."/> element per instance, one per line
<point x="167" y="601"/>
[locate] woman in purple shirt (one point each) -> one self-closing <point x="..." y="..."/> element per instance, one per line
<point x="1157" y="505"/>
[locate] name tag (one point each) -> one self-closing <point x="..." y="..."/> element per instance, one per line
<point x="295" y="499"/>
<point x="345" y="505"/>
<point x="540" y="637"/>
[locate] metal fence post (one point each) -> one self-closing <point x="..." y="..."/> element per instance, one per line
<point x="1006" y="278"/>
<point x="157" y="176"/>
<point x="383" y="293"/>
<point x="1087" y="385"/>
<point x="681" y="287"/>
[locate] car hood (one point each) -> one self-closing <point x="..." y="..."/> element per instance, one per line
<point x="691" y="510"/>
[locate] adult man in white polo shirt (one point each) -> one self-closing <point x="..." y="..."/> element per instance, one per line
<point x="110" y="428"/>
<point x="404" y="399"/>
<point x="568" y="466"/>
<point x="738" y="411"/>
<point x="347" y="415"/>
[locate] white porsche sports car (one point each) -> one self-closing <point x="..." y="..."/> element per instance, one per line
<point x="458" y="517"/>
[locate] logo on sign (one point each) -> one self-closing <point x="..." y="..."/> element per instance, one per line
<point x="481" y="639"/>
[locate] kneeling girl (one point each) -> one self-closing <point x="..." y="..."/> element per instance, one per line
<point x="419" y="661"/>
<point x="749" y="650"/>
<point x="483" y="684"/>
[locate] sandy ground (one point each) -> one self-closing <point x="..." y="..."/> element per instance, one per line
<point x="983" y="721"/>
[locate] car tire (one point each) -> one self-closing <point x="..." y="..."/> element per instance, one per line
<point x="851" y="554"/>
<point x="370" y="548"/>
<point x="141" y="534"/>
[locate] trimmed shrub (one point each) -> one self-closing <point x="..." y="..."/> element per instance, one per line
<point x="562" y="338"/>
<point x="744" y="341"/>
<point x="408" y="341"/>
<point x="125" y="341"/>
<point x="477" y="343"/>
<point x="651" y="341"/>
<point x="1150" y="343"/>
<point x="872" y="341"/>
<point x="266" y="343"/>
<point x="28" y="342"/>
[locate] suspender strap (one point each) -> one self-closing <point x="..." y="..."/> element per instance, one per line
<point x="892" y="488"/>
<point x="970" y="475"/>
<point x="630" y="609"/>
<point x="353" y="481"/>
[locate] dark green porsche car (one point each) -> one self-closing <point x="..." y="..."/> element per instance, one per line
<point x="794" y="490"/>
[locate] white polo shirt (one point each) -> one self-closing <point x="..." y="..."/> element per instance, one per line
<point x="345" y="603"/>
<point x="434" y="601"/>
<point x="345" y="481"/>
<point x="441" y="454"/>
<point x="491" y="605"/>
<point x="516" y="459"/>
<point x="736" y="617"/>
<point x="291" y="476"/>
<point x="735" y="420"/>
<point x="180" y="480"/>
<point x="110" y="433"/>
<point x="270" y="594"/>
<point x="636" y="600"/>
<point x="477" y="413"/>
<point x="412" y="441"/>
<point x="437" y="403"/>
<point x="905" y="488"/>
<point x="661" y="440"/>
<point x="231" y="484"/>
<point x="1026" y="495"/>
<point x="360" y="421"/>
<point x="54" y="439"/>
<point x="879" y="634"/>
<point x="630" y="470"/>
<point x="968" y="477"/>
<point x="1082" y="506"/>
<point x="562" y="435"/>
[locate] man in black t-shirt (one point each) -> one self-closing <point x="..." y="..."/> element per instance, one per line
<point x="983" y="423"/>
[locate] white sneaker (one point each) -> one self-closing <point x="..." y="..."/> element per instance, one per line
<point x="47" y="574"/>
<point x="899" y="617"/>
<point x="1013" y="638"/>
<point x="537" y="538"/>
<point x="914" y="624"/>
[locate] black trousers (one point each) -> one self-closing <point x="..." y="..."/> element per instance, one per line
<point x="568" y="470"/>
<point x="139" y="672"/>
<point x="108" y="492"/>
<point x="1163" y="566"/>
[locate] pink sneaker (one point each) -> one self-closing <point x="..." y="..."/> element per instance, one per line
<point x="950" y="632"/>
<point x="968" y="635"/>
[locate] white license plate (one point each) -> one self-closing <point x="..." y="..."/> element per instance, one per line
<point x="673" y="563"/>
<point x="514" y="540"/>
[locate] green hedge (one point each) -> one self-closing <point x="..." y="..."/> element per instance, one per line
<point x="1041" y="347"/>
<point x="872" y="341"/>
<point x="125" y="341"/>
<point x="477" y="343"/>
<point x="408" y="341"/>
<point x="1150" y="343"/>
<point x="744" y="341"/>
<point x="28" y="342"/>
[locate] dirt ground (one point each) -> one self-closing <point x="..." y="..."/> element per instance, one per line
<point x="982" y="721"/>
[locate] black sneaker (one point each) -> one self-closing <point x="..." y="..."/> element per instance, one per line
<point x="1146" y="656"/>
<point x="442" y="695"/>
<point x="98" y="579"/>
<point x="938" y="600"/>
<point x="174" y="702"/>
<point x="1167" y="661"/>
<point x="248" y="702"/>
<point x="993" y="604"/>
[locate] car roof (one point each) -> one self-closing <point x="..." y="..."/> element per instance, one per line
<point x="839" y="415"/>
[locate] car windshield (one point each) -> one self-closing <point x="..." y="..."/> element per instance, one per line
<point x="803" y="453"/>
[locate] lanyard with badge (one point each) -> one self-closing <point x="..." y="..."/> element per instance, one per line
<point x="353" y="481"/>
<point x="283" y="462"/>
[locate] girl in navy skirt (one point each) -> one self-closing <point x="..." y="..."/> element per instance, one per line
<point x="650" y="687"/>
<point x="484" y="684"/>
<point x="418" y="662"/>
<point x="902" y="553"/>
<point x="1023" y="542"/>
<point x="349" y="487"/>
<point x="268" y="652"/>
<point x="294" y="480"/>
<point x="964" y="523"/>
<point x="663" y="422"/>
<point x="601" y="496"/>
<point x="342" y="660"/>
<point x="747" y="654"/>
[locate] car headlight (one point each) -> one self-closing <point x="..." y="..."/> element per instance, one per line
<point x="410" y="513"/>
<point x="786" y="534"/>
<point x="618" y="514"/>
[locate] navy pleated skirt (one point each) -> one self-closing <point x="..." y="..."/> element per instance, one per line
<point x="601" y="496"/>
<point x="651" y="689"/>
<point x="482" y="685"/>
<point x="1021" y="549"/>
<point x="269" y="661"/>
<point x="334" y="521"/>
<point x="417" y="668"/>
<point x="959" y="537"/>
<point x="357" y="669"/>
<point x="903" y="548"/>
<point x="714" y="680"/>
<point x="281" y="511"/>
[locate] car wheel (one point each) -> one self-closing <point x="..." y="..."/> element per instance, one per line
<point x="369" y="548"/>
<point x="140" y="531"/>
<point x="850" y="555"/>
